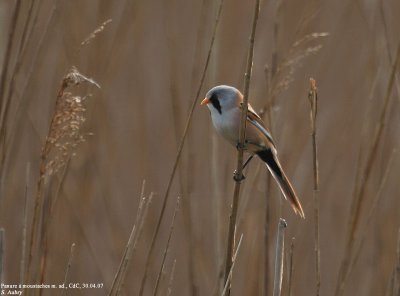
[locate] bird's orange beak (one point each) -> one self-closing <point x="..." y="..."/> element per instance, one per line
<point x="205" y="101"/>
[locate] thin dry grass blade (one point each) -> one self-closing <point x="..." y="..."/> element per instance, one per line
<point x="267" y="276"/>
<point x="6" y="140"/>
<point x="137" y="238"/>
<point x="184" y="168"/>
<point x="7" y="55"/>
<point x="48" y="218"/>
<point x="171" y="229"/>
<point x="132" y="237"/>
<point x="3" y="78"/>
<point x="24" y="226"/>
<point x="393" y="286"/>
<point x="2" y="247"/>
<point x="372" y="211"/>
<point x="390" y="285"/>
<point x="359" y="194"/>
<point x="229" y="279"/>
<point x="386" y="34"/>
<point x="179" y="152"/>
<point x="17" y="67"/>
<point x="291" y="268"/>
<point x="397" y="275"/>
<point x="66" y="276"/>
<point x="171" y="279"/>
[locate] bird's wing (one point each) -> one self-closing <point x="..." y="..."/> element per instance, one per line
<point x="256" y="120"/>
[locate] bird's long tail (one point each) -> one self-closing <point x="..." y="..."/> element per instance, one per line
<point x="270" y="158"/>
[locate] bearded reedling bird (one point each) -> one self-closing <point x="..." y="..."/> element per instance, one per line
<point x="224" y="103"/>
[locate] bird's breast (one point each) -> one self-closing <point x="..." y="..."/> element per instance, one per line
<point x="227" y="125"/>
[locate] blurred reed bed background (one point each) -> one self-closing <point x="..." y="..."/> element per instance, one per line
<point x="148" y="59"/>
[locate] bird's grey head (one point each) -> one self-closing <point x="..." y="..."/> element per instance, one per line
<point x="222" y="98"/>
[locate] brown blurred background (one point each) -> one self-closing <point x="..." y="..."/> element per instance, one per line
<point x="149" y="61"/>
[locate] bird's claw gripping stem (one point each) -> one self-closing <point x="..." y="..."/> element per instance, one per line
<point x="238" y="177"/>
<point x="241" y="146"/>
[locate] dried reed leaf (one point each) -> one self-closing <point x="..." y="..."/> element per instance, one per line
<point x="97" y="31"/>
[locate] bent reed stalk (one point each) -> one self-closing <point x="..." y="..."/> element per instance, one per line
<point x="179" y="153"/>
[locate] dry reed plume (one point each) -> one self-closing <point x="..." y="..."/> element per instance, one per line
<point x="64" y="136"/>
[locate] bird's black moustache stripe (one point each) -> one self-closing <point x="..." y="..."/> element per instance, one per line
<point x="215" y="102"/>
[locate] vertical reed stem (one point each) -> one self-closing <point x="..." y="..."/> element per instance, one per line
<point x="238" y="176"/>
<point x="291" y="267"/>
<point x="313" y="98"/>
<point x="279" y="254"/>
